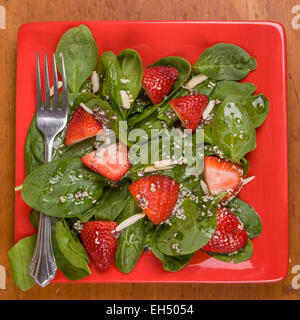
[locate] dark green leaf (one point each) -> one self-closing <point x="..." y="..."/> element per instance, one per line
<point x="56" y="188"/>
<point x="185" y="236"/>
<point x="248" y="216"/>
<point x="131" y="239"/>
<point x="225" y="61"/>
<point x="170" y="263"/>
<point x="71" y="247"/>
<point x="72" y="272"/>
<point x="132" y="72"/>
<point x="232" y="130"/>
<point x="80" y="53"/>
<point x="149" y="231"/>
<point x="245" y="165"/>
<point x="20" y="256"/>
<point x="257" y="108"/>
<point x="35" y="218"/>
<point x="227" y="88"/>
<point x="242" y="255"/>
<point x="111" y="204"/>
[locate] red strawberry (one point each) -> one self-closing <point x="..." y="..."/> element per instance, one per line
<point x="222" y="175"/>
<point x="100" y="242"/>
<point x="111" y="161"/>
<point x="83" y="125"/>
<point x="156" y="195"/>
<point x="159" y="81"/>
<point x="189" y="109"/>
<point x="230" y="235"/>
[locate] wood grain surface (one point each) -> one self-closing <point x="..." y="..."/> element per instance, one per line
<point x="22" y="11"/>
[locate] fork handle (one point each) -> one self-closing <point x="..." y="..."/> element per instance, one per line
<point x="48" y="148"/>
<point x="43" y="267"/>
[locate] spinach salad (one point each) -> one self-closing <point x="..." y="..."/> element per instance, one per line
<point x="173" y="209"/>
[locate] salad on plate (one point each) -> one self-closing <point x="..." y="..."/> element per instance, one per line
<point x="152" y="160"/>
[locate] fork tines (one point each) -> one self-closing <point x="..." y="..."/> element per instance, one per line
<point x="47" y="104"/>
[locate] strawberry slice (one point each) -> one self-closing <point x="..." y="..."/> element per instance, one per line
<point x="189" y="109"/>
<point x="100" y="242"/>
<point x="222" y="175"/>
<point x="82" y="125"/>
<point x="230" y="235"/>
<point x="158" y="82"/>
<point x="156" y="195"/>
<point x="111" y="161"/>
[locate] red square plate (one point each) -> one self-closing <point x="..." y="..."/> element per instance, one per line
<point x="268" y="193"/>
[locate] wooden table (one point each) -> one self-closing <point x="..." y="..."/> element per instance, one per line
<point x="19" y="12"/>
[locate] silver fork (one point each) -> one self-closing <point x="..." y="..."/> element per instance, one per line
<point x="50" y="120"/>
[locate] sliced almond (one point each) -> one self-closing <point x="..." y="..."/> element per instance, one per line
<point x="163" y="163"/>
<point x="128" y="222"/>
<point x="153" y="168"/>
<point x="245" y="181"/>
<point x="195" y="81"/>
<point x="125" y="99"/>
<point x="86" y="108"/>
<point x="95" y="82"/>
<point x="19" y="187"/>
<point x="208" y="109"/>
<point x="2" y="278"/>
<point x="204" y="187"/>
<point x="59" y="85"/>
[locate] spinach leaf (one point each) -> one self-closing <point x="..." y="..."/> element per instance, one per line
<point x="189" y="232"/>
<point x="79" y="269"/>
<point x="117" y="73"/>
<point x="149" y="124"/>
<point x="149" y="229"/>
<point x="87" y="216"/>
<point x="208" y="134"/>
<point x="77" y="150"/>
<point x="31" y="162"/>
<point x="20" y="256"/>
<point x="227" y="88"/>
<point x="244" y="163"/>
<point x="220" y="256"/>
<point x="206" y="87"/>
<point x="131" y="239"/>
<point x="232" y="130"/>
<point x="170" y="263"/>
<point x="80" y="53"/>
<point x="242" y="255"/>
<point x="34" y="219"/>
<point x="62" y="188"/>
<point x="141" y="102"/>
<point x="184" y="69"/>
<point x="71" y="247"/>
<point x="248" y="216"/>
<point x="225" y="61"/>
<point x="110" y="74"/>
<point x="132" y="72"/>
<point x="111" y="204"/>
<point x="257" y="108"/>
